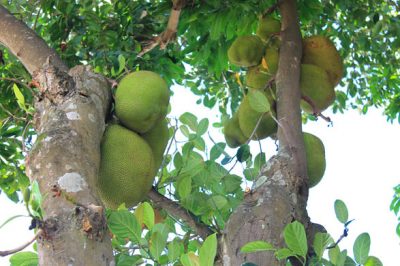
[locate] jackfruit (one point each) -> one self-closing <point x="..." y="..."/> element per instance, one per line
<point x="315" y="84"/>
<point x="127" y="167"/>
<point x="268" y="26"/>
<point x="315" y="155"/>
<point x="257" y="77"/>
<point x="248" y="119"/>
<point x="158" y="138"/>
<point x="141" y="100"/>
<point x="271" y="59"/>
<point x="246" y="51"/>
<point x="233" y="135"/>
<point x="320" y="51"/>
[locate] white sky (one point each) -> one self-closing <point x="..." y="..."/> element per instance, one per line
<point x="362" y="169"/>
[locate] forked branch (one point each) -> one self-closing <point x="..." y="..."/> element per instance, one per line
<point x="177" y="211"/>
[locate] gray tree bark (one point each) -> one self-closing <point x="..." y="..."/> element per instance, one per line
<point x="70" y="119"/>
<point x="280" y="192"/>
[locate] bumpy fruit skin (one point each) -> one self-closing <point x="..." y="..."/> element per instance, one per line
<point x="246" y="51"/>
<point x="320" y="51"/>
<point x="315" y="84"/>
<point x="257" y="77"/>
<point x="267" y="26"/>
<point x="157" y="138"/>
<point x="141" y="100"/>
<point x="271" y="58"/>
<point x="315" y="154"/>
<point x="127" y="167"/>
<point x="248" y="119"/>
<point x="233" y="134"/>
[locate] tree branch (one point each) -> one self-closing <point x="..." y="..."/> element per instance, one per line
<point x="25" y="44"/>
<point x="22" y="247"/>
<point x="173" y="208"/>
<point x="169" y="34"/>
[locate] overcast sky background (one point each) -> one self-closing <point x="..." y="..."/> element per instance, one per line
<point x="362" y="153"/>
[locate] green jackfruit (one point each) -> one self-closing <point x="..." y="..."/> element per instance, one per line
<point x="158" y="138"/>
<point x="248" y="119"/>
<point x="233" y="135"/>
<point x="319" y="50"/>
<point x="257" y="77"/>
<point x="315" y="84"/>
<point x="315" y="154"/>
<point x="246" y="51"/>
<point x="141" y="100"/>
<point x="127" y="167"/>
<point x="268" y="26"/>
<point x="271" y="59"/>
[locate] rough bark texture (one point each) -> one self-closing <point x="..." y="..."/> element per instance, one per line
<point x="280" y="193"/>
<point x="70" y="120"/>
<point x="25" y="44"/>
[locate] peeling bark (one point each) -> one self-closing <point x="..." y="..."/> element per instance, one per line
<point x="281" y="191"/>
<point x="69" y="121"/>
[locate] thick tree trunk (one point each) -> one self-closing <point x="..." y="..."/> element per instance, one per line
<point x="280" y="193"/>
<point x="70" y="120"/>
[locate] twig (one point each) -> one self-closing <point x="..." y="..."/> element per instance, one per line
<point x="176" y="210"/>
<point x="316" y="112"/>
<point x="17" y="81"/>
<point x="169" y="33"/>
<point x="37" y="17"/>
<point x="345" y="234"/>
<point x="15" y="250"/>
<point x="271" y="9"/>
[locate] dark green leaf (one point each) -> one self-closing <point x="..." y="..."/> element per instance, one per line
<point x="361" y="248"/>
<point x="202" y="127"/>
<point x="123" y="224"/>
<point x="243" y="153"/>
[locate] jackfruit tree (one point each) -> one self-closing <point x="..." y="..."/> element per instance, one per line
<point x="110" y="177"/>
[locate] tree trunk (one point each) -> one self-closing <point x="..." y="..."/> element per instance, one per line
<point x="280" y="193"/>
<point x="70" y="120"/>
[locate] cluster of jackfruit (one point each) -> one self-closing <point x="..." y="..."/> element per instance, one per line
<point x="321" y="71"/>
<point x="132" y="150"/>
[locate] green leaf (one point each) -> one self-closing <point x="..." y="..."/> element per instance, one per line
<point x="157" y="244"/>
<point x="36" y="199"/>
<point x="341" y="211"/>
<point x="373" y="261"/>
<point x="123" y="224"/>
<point x="185" y="187"/>
<point x="334" y="254"/>
<point x="19" y="96"/>
<point x="349" y="262"/>
<point x="24" y="258"/>
<point x="217" y="150"/>
<point x="284" y="253"/>
<point x="144" y="214"/>
<point x="243" y="153"/>
<point x="203" y="126"/>
<point x="295" y="238"/>
<point x="190" y="259"/>
<point x="256" y="246"/>
<point x="258" y="101"/>
<point x="125" y="260"/>
<point x="175" y="248"/>
<point x="190" y="120"/>
<point x="217" y="202"/>
<point x="321" y="242"/>
<point x="208" y="250"/>
<point x="121" y="62"/>
<point x="361" y="248"/>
